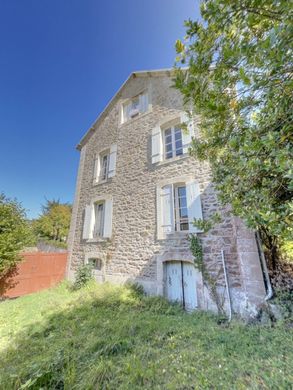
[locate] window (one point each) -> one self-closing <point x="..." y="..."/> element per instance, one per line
<point x="178" y="204"/>
<point x="105" y="164"/>
<point x="180" y="207"/>
<point x="169" y="140"/>
<point x="95" y="263"/>
<point x="98" y="219"/>
<point x="99" y="210"/>
<point x="104" y="161"/>
<point x="134" y="107"/>
<point x="173" y="142"/>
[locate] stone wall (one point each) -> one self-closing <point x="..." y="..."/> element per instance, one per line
<point x="134" y="252"/>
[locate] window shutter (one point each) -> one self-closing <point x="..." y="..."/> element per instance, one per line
<point x="112" y="161"/>
<point x="143" y="102"/>
<point x="97" y="168"/>
<point x="193" y="205"/>
<point x="167" y="209"/>
<point x="108" y="219"/>
<point x="157" y="152"/>
<point x="188" y="133"/>
<point x="87" y="223"/>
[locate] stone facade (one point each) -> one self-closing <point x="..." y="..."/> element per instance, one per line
<point x="134" y="252"/>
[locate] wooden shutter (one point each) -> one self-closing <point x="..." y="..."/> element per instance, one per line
<point x="157" y="152"/>
<point x="108" y="219"/>
<point x="143" y="102"/>
<point x="112" y="161"/>
<point x="167" y="210"/>
<point x="97" y="168"/>
<point x="87" y="225"/>
<point x="188" y="133"/>
<point x="193" y="205"/>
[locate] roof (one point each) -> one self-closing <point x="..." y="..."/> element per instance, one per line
<point x="140" y="73"/>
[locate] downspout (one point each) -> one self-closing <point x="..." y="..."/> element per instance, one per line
<point x="227" y="286"/>
<point x="264" y="268"/>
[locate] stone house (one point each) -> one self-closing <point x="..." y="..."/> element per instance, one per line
<point x="137" y="193"/>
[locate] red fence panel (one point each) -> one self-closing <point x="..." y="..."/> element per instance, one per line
<point x="37" y="271"/>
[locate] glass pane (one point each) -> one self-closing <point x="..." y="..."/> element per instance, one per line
<point x="168" y="139"/>
<point x="178" y="135"/>
<point x="99" y="216"/>
<point x="183" y="212"/>
<point x="182" y="191"/>
<point x="184" y="226"/>
<point x="167" y="132"/>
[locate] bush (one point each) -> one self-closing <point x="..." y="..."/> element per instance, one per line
<point x="83" y="276"/>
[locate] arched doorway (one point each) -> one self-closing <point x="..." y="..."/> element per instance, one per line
<point x="180" y="283"/>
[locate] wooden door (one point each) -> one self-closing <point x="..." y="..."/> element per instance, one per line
<point x="174" y="281"/>
<point x="189" y="286"/>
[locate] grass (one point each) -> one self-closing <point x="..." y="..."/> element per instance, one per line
<point x="105" y="337"/>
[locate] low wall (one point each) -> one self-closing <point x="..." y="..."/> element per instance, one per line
<point x="36" y="272"/>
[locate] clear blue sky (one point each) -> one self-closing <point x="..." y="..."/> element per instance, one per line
<point x="61" y="61"/>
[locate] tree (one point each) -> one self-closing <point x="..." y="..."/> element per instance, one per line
<point x="15" y="233"/>
<point x="239" y="80"/>
<point x="54" y="222"/>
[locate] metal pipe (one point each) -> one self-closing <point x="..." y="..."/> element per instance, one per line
<point x="264" y="268"/>
<point x="227" y="286"/>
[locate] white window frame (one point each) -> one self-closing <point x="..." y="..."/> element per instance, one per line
<point x="140" y="110"/>
<point x="172" y="129"/>
<point x="103" y="176"/>
<point x="89" y="221"/>
<point x="178" y="220"/>
<point x="98" y="232"/>
<point x="98" y="273"/>
<point x="177" y="182"/>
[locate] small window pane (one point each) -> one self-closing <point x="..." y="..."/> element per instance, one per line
<point x="99" y="220"/>
<point x="95" y="263"/>
<point x="178" y="135"/>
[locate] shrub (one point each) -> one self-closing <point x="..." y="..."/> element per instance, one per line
<point x="83" y="276"/>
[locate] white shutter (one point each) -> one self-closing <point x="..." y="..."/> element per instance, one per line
<point x="193" y="205"/>
<point x="97" y="168"/>
<point x="108" y="219"/>
<point x="188" y="133"/>
<point x="86" y="234"/>
<point x="167" y="209"/>
<point x="157" y="147"/>
<point x="143" y="102"/>
<point x="112" y="162"/>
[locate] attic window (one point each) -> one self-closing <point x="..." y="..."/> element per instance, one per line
<point x="134" y="107"/>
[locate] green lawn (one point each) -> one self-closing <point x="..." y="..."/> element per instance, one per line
<point x="104" y="337"/>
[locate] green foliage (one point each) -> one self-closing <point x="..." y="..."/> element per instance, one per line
<point x="83" y="275"/>
<point x="15" y="233"/>
<point x="210" y="281"/>
<point x="240" y="83"/>
<point x="54" y="223"/>
<point x="287" y="250"/>
<point x="284" y="298"/>
<point x="206" y="224"/>
<point x="105" y="337"/>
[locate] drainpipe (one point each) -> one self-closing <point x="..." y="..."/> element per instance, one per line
<point x="227" y="286"/>
<point x="264" y="268"/>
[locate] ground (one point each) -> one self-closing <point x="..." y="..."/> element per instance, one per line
<point x="105" y="337"/>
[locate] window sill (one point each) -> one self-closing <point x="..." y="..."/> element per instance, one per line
<point x="97" y="240"/>
<point x="178" y="235"/>
<point x="131" y="120"/>
<point x="96" y="183"/>
<point x="172" y="160"/>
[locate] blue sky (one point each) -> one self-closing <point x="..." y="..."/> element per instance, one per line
<point x="61" y="61"/>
